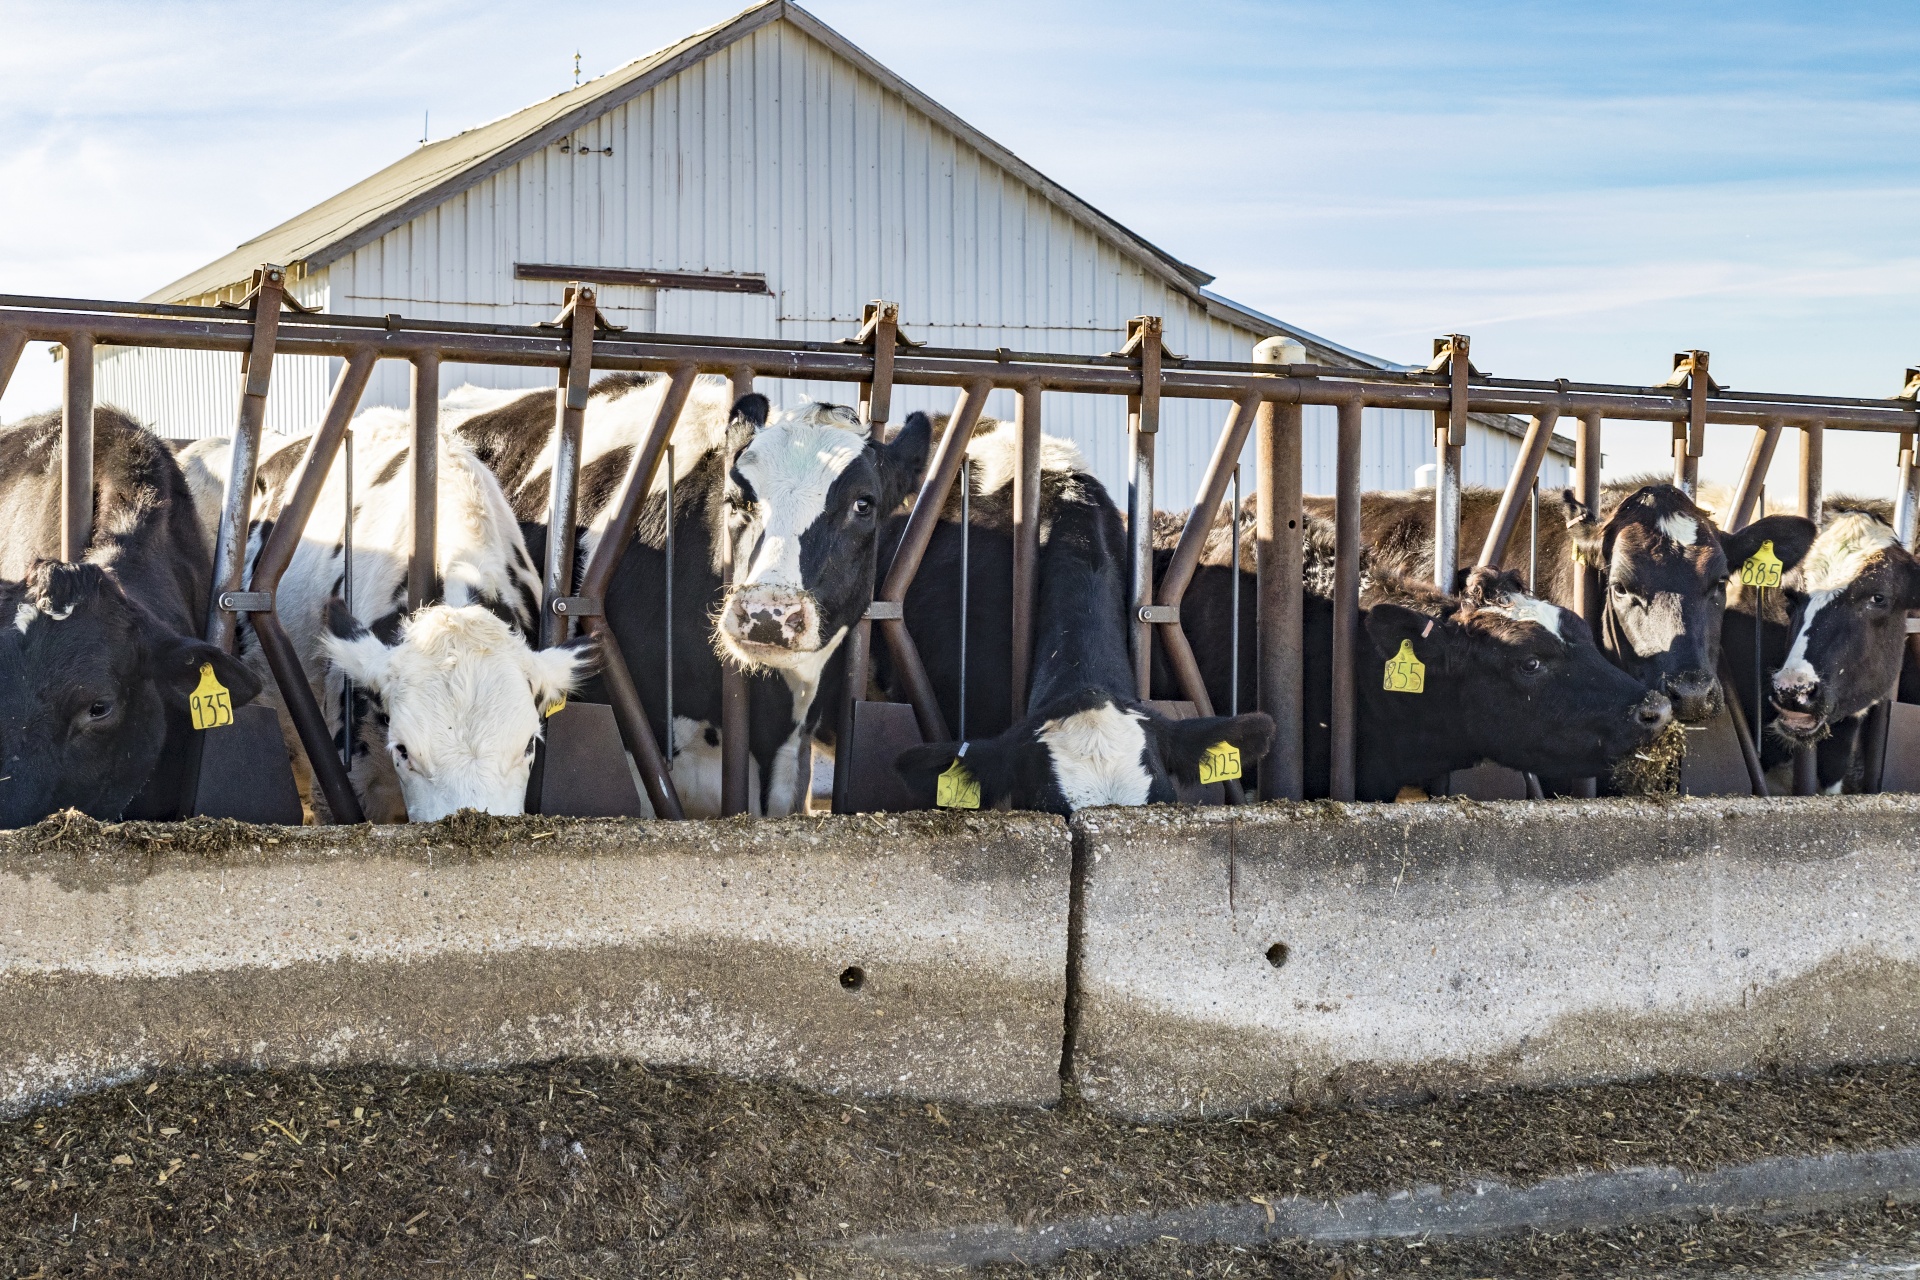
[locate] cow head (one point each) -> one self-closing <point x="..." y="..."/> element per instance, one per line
<point x="1849" y="631"/>
<point x="1666" y="570"/>
<point x="465" y="700"/>
<point x="1515" y="680"/>
<point x="90" y="683"/>
<point x="1089" y="749"/>
<point x="805" y="498"/>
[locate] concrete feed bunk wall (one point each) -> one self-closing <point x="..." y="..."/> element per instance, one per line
<point x="1450" y="946"/>
<point x="1434" y="946"/>
<point x="919" y="953"/>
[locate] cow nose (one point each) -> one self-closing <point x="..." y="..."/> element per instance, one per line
<point x="1654" y="712"/>
<point x="1691" y="684"/>
<point x="1796" y="694"/>
<point x="771" y="619"/>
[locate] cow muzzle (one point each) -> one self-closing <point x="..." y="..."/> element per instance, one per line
<point x="766" y="623"/>
<point x="1800" y="709"/>
<point x="1652" y="714"/>
<point x="1695" y="696"/>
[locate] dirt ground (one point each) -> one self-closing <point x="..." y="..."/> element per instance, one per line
<point x="600" y="1169"/>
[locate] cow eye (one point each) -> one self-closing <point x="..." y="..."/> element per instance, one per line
<point x="400" y="756"/>
<point x="1877" y="600"/>
<point x="101" y="709"/>
<point x="863" y="505"/>
<point x="1530" y="664"/>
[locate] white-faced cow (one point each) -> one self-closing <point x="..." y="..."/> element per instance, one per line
<point x="1663" y="563"/>
<point x="449" y="699"/>
<point x="1087" y="740"/>
<point x="97" y="658"/>
<point x="801" y="496"/>
<point x="1844" y="640"/>
<point x="1507" y="677"/>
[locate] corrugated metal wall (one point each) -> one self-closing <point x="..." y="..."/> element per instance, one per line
<point x="780" y="157"/>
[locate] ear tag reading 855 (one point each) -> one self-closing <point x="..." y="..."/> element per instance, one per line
<point x="1762" y="568"/>
<point x="1405" y="673"/>
<point x="1220" y="764"/>
<point x="209" y="704"/>
<point x="956" y="788"/>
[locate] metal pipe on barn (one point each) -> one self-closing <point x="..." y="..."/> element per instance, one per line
<point x="1346" y="601"/>
<point x="76" y="449"/>
<point x="1279" y="603"/>
<point x="736" y="695"/>
<point x="424" y="480"/>
<point x="1813" y="452"/>
<point x="1026" y="540"/>
<point x="1744" y="509"/>
<point x="1449" y="442"/>
<point x="256" y="373"/>
<point x="1143" y="427"/>
<point x="576" y="378"/>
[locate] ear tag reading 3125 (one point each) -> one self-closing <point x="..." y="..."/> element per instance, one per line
<point x="956" y="788"/>
<point x="1405" y="673"/>
<point x="1220" y="764"/>
<point x="1762" y="568"/>
<point x="209" y="704"/>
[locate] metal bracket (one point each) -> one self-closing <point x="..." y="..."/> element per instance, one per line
<point x="1450" y="354"/>
<point x="1143" y="340"/>
<point x="565" y="319"/>
<point x="247" y="601"/>
<point x="1164" y="614"/>
<point x="579" y="607"/>
<point x="1911" y="391"/>
<point x="886" y="611"/>
<point x="871" y="317"/>
<point x="880" y="331"/>
<point x="278" y="275"/>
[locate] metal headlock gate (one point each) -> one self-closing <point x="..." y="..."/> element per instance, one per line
<point x="1266" y="399"/>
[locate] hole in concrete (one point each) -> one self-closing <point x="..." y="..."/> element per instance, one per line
<point x="1277" y="954"/>
<point x="853" y="977"/>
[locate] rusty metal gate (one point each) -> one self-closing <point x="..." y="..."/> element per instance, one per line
<point x="1265" y="398"/>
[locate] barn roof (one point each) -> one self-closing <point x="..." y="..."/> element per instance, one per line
<point x="439" y="170"/>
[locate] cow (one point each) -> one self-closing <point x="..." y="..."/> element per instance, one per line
<point x="1833" y="638"/>
<point x="449" y="700"/>
<point x="1508" y="677"/>
<point x="801" y="495"/>
<point x="98" y="657"/>
<point x="1663" y="563"/>
<point x="1087" y="738"/>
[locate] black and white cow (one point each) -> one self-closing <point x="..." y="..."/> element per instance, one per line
<point x="801" y="495"/>
<point x="1508" y="677"/>
<point x="449" y="699"/>
<point x="1833" y="639"/>
<point x="1664" y="564"/>
<point x="97" y="659"/>
<point x="1087" y="740"/>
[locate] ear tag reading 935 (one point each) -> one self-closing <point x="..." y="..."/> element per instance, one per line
<point x="1405" y="673"/>
<point x="1762" y="568"/>
<point x="209" y="704"/>
<point x="956" y="788"/>
<point x="1220" y="764"/>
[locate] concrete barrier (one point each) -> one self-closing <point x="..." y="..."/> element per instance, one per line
<point x="921" y="953"/>
<point x="1234" y="958"/>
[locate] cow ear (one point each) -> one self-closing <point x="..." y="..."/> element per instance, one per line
<point x="1791" y="536"/>
<point x="1184" y="743"/>
<point x="554" y="673"/>
<point x="989" y="762"/>
<point x="1583" y="531"/>
<point x="175" y="663"/>
<point x="359" y="654"/>
<point x="902" y="459"/>
<point x="749" y="416"/>
<point x="1388" y="625"/>
<point x="1485" y="587"/>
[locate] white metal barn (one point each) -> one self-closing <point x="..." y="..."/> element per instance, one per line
<point x="764" y="178"/>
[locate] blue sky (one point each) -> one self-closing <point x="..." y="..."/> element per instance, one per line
<point x="1583" y="188"/>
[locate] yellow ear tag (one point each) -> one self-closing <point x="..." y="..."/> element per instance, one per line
<point x="209" y="704"/>
<point x="557" y="707"/>
<point x="1762" y="568"/>
<point x="1405" y="673"/>
<point x="1220" y="764"/>
<point x="956" y="788"/>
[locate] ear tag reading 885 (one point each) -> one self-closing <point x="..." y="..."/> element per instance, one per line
<point x="956" y="788"/>
<point x="1762" y="568"/>
<point x="1220" y="764"/>
<point x="209" y="704"/>
<point x="1404" y="673"/>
